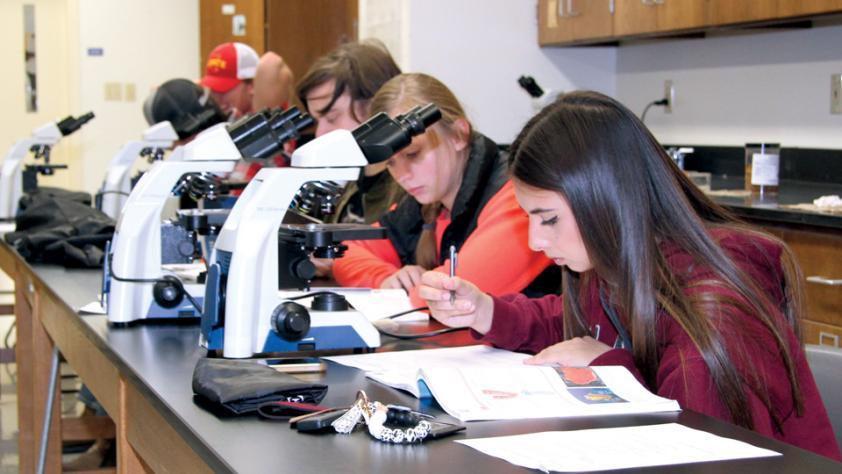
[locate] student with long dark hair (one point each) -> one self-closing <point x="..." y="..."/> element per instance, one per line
<point x="656" y="277"/>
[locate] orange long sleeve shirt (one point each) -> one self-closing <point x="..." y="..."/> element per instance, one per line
<point x="496" y="256"/>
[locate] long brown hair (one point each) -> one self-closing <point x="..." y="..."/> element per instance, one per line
<point x="406" y="91"/>
<point x="629" y="198"/>
<point x="359" y="68"/>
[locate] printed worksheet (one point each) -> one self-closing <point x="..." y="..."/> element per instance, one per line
<point x="630" y="447"/>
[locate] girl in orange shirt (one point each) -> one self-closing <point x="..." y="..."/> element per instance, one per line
<point x="459" y="194"/>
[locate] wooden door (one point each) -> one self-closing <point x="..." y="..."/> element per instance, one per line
<point x="302" y="30"/>
<point x="221" y="21"/>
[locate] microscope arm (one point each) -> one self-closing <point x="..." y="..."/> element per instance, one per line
<point x="136" y="248"/>
<point x="11" y="178"/>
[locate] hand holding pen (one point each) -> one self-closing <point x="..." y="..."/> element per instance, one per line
<point x="474" y="308"/>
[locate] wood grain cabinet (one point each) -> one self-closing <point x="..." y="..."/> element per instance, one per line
<point x="571" y="22"/>
<point x="819" y="253"/>
<point x="636" y="17"/>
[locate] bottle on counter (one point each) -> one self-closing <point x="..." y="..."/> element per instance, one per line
<point x="762" y="168"/>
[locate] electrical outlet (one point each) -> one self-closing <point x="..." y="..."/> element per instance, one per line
<point x="669" y="94"/>
<point x="836" y="93"/>
<point x="129" y="92"/>
<point x="113" y="91"/>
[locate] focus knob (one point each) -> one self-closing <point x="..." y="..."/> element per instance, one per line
<point x="304" y="269"/>
<point x="168" y="292"/>
<point x="291" y="320"/>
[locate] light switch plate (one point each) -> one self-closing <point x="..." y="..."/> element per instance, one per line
<point x="836" y="93"/>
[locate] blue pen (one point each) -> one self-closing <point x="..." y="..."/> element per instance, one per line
<point x="452" y="271"/>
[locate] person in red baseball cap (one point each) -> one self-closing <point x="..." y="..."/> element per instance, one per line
<point x="229" y="74"/>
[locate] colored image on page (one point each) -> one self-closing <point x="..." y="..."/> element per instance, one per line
<point x="595" y="395"/>
<point x="579" y="377"/>
<point x="584" y="384"/>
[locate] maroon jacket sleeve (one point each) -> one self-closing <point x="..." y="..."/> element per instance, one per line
<point x="524" y="324"/>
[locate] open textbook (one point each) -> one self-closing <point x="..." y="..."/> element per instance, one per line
<point x="483" y="383"/>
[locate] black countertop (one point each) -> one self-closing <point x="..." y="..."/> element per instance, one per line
<point x="159" y="361"/>
<point x="773" y="208"/>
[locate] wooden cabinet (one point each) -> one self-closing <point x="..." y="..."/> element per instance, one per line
<point x="635" y="17"/>
<point x="819" y="253"/>
<point x="792" y="8"/>
<point x="729" y="12"/>
<point x="571" y="21"/>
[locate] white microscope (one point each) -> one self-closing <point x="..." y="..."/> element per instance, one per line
<point x="117" y="185"/>
<point x="135" y="286"/>
<point x="540" y="97"/>
<point x="42" y="140"/>
<point x="255" y="255"/>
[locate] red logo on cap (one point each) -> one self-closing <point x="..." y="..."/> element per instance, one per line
<point x="215" y="64"/>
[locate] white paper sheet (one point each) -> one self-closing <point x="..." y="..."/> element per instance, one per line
<point x="94" y="307"/>
<point x="374" y="304"/>
<point x="629" y="447"/>
<point x="400" y="369"/>
<point x="186" y="272"/>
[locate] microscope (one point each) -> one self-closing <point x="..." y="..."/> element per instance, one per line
<point x="14" y="181"/>
<point x="134" y="285"/>
<point x="540" y="97"/>
<point x="255" y="255"/>
<point x="155" y="141"/>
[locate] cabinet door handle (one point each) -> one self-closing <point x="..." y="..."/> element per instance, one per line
<point x="831" y="337"/>
<point x="570" y="10"/>
<point x="611" y="6"/>
<point x="824" y="281"/>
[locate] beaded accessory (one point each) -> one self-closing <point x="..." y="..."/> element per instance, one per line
<point x="375" y="415"/>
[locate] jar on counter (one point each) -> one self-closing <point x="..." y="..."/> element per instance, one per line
<point x="763" y="162"/>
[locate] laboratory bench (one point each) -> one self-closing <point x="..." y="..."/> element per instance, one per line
<point x="142" y="376"/>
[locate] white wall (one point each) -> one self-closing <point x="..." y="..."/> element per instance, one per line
<point x="144" y="43"/>
<point x="768" y="85"/>
<point x="479" y="48"/>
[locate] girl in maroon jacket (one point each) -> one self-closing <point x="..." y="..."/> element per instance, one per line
<point x="656" y="277"/>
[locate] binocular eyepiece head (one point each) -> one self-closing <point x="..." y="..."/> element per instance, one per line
<point x="380" y="137"/>
<point x="70" y="124"/>
<point x="262" y="135"/>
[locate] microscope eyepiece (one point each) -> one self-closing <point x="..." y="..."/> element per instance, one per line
<point x="380" y="137"/>
<point x="289" y="123"/>
<point x="419" y="118"/>
<point x="260" y="136"/>
<point x="70" y="124"/>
